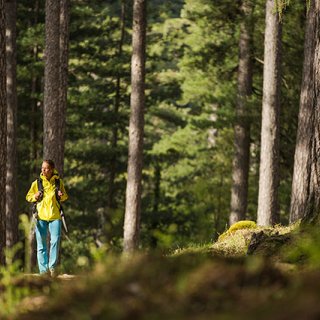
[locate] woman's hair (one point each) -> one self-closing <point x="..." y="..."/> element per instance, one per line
<point x="50" y="163"/>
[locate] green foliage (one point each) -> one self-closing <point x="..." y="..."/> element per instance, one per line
<point x="209" y="63"/>
<point x="27" y="227"/>
<point x="75" y="252"/>
<point x="191" y="92"/>
<point x="191" y="88"/>
<point x="186" y="285"/>
<point x="178" y="285"/>
<point x="11" y="294"/>
<point x="304" y="248"/>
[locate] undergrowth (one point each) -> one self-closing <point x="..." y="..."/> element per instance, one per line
<point x="201" y="281"/>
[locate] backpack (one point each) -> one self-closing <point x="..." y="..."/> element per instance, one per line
<point x="57" y="189"/>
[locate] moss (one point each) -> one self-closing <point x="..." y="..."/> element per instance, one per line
<point x="242" y="235"/>
<point x="240" y="225"/>
<point x="202" y="249"/>
<point x="233" y="245"/>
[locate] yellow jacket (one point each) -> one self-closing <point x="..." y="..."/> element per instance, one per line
<point x="48" y="207"/>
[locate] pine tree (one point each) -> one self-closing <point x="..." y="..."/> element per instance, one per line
<point x="136" y="128"/>
<point x="63" y="83"/>
<point x="240" y="171"/>
<point x="35" y="104"/>
<point x="269" y="154"/>
<point x="305" y="195"/>
<point x="11" y="182"/>
<point x="3" y="132"/>
<point x="51" y="116"/>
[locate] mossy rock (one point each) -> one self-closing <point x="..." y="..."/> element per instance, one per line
<point x="240" y="225"/>
<point x="267" y="244"/>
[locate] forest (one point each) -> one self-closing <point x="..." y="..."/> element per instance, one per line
<point x="187" y="137"/>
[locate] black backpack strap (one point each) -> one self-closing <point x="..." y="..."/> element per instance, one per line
<point x="34" y="205"/>
<point x="40" y="185"/>
<point x="57" y="184"/>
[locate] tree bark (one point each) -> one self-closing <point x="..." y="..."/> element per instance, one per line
<point x="305" y="182"/>
<point x="34" y="126"/>
<point x="51" y="116"/>
<point x="64" y="58"/>
<point x="239" y="192"/>
<point x="269" y="154"/>
<point x="11" y="182"/>
<point x="3" y="132"/>
<point x="136" y="128"/>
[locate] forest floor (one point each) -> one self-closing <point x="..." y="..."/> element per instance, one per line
<point x="247" y="274"/>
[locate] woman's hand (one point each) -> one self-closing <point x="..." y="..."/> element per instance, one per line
<point x="38" y="195"/>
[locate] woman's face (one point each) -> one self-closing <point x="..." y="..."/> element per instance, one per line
<point x="46" y="170"/>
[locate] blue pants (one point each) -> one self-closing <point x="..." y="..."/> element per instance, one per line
<point x="44" y="262"/>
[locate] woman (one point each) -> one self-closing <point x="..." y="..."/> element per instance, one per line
<point x="48" y="215"/>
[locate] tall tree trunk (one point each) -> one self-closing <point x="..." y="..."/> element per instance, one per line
<point x="136" y="128"/>
<point x="239" y="192"/>
<point x="33" y="124"/>
<point x="3" y="132"/>
<point x="305" y="183"/>
<point x="63" y="81"/>
<point x="35" y="88"/>
<point x="64" y="58"/>
<point x="11" y="183"/>
<point x="269" y="154"/>
<point x="51" y="116"/>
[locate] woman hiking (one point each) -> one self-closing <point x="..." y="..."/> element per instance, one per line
<point x="47" y="192"/>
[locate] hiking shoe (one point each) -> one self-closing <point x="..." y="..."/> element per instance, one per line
<point x="53" y="273"/>
<point x="45" y="274"/>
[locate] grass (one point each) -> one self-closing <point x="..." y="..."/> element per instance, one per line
<point x="201" y="281"/>
<point x="183" y="286"/>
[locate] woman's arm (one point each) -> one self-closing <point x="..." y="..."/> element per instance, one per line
<point x="63" y="195"/>
<point x="33" y="194"/>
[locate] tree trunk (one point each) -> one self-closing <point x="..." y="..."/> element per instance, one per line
<point x="269" y="154"/>
<point x="305" y="183"/>
<point x="64" y="58"/>
<point x="11" y="183"/>
<point x="51" y="116"/>
<point x="136" y="128"/>
<point x="34" y="126"/>
<point x="3" y="132"/>
<point x="239" y="192"/>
